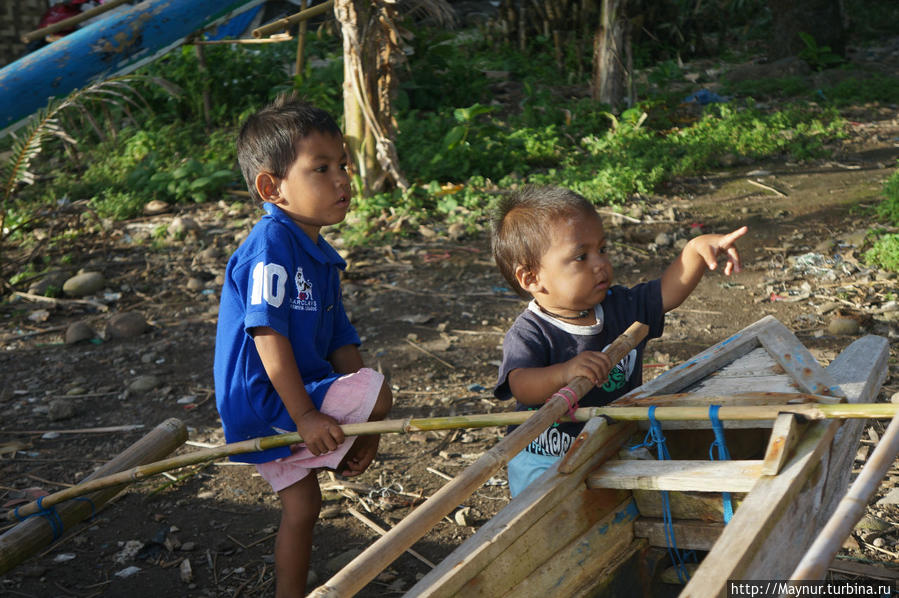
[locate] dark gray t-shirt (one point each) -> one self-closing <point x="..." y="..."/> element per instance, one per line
<point x="538" y="340"/>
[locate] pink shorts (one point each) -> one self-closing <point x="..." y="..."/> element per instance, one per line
<point x="349" y="400"/>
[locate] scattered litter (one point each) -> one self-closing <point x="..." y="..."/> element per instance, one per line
<point x="704" y="97"/>
<point x="127" y="572"/>
<point x="63" y="557"/>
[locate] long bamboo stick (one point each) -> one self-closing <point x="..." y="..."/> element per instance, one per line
<point x="391" y="545"/>
<point x="34" y="533"/>
<point x="303" y="15"/>
<point x="850" y="509"/>
<point x="478" y="420"/>
<point x="71" y="21"/>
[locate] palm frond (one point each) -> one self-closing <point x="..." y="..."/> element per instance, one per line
<point x="45" y="124"/>
<point x="439" y="10"/>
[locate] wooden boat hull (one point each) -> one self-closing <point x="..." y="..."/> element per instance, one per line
<point x="117" y="44"/>
<point x="582" y="530"/>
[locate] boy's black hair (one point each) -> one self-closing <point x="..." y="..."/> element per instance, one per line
<point x="520" y="226"/>
<point x="268" y="139"/>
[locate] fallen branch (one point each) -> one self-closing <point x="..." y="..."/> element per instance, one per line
<point x="382" y="531"/>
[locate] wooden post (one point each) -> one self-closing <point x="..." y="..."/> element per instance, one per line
<point x="850" y="509"/>
<point x="609" y="53"/>
<point x="386" y="549"/>
<point x="35" y="533"/>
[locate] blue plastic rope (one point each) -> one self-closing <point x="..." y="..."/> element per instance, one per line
<point x="655" y="437"/>
<point x="52" y="517"/>
<point x="723" y="455"/>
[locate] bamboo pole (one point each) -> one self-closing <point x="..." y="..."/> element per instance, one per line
<point x="850" y="509"/>
<point x="71" y="21"/>
<point x="391" y="545"/>
<point x="35" y="533"/>
<point x="478" y="420"/>
<point x="303" y="15"/>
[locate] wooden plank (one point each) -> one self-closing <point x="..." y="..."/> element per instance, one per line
<point x="689" y="535"/>
<point x="506" y="527"/>
<point x="583" y="513"/>
<point x="797" y="361"/>
<point x="850" y="509"/>
<point x="703" y="506"/>
<point x="705" y="363"/>
<point x="865" y="570"/>
<point x="784" y="435"/>
<point x="778" y="520"/>
<point x="709" y="476"/>
<point x="582" y="559"/>
<point x="683" y="399"/>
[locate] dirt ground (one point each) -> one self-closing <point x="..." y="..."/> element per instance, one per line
<point x="432" y="312"/>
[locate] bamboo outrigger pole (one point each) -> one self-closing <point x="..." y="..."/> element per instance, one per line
<point x="812" y="411"/>
<point x="34" y="533"/>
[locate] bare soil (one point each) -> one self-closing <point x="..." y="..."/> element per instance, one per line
<point x="432" y="312"/>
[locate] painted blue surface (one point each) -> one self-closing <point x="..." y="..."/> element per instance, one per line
<point x="115" y="45"/>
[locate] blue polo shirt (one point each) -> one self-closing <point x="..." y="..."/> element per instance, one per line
<point x="280" y="279"/>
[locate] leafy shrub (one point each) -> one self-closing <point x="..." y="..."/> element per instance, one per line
<point x="885" y="252"/>
<point x="888" y="209"/>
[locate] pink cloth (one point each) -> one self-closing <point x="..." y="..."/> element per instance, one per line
<point x="349" y="400"/>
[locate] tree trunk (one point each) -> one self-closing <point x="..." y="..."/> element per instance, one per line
<point x="371" y="48"/>
<point x="824" y="20"/>
<point x="610" y="48"/>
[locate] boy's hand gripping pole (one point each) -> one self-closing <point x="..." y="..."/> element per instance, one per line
<point x="365" y="567"/>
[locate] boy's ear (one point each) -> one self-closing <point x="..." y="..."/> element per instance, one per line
<point x="267" y="187"/>
<point x="527" y="279"/>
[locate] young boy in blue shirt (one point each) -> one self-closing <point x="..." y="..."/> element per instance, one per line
<point x="286" y="355"/>
<point x="550" y="246"/>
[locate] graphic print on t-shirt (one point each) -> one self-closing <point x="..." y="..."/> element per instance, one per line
<point x="554" y="442"/>
<point x="304" y="301"/>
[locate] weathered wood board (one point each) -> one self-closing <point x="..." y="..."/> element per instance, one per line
<point x="776" y="517"/>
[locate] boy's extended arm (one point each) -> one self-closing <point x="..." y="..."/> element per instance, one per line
<point x="320" y="432"/>
<point x="699" y="255"/>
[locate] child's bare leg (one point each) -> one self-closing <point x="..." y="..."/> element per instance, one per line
<point x="364" y="448"/>
<point x="300" y="505"/>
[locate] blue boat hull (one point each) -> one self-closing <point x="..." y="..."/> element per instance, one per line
<point x="117" y="44"/>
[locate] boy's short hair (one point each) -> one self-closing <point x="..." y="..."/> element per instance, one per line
<point x="268" y="139"/>
<point x="520" y="226"/>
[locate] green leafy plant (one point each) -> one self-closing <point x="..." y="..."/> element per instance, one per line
<point x="817" y="57"/>
<point x="46" y="124"/>
<point x="885" y="252"/>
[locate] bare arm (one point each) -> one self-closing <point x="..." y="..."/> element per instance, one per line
<point x="532" y="386"/>
<point x="320" y="432"/>
<point x="346" y="359"/>
<point x="699" y="255"/>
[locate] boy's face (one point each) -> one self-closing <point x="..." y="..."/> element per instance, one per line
<point x="575" y="273"/>
<point x="316" y="190"/>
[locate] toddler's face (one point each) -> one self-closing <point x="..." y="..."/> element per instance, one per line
<point x="316" y="190"/>
<point x="575" y="273"/>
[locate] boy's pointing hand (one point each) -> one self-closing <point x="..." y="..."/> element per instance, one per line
<point x="710" y="246"/>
